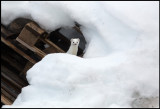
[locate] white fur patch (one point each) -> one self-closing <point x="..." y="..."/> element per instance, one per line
<point x="73" y="49"/>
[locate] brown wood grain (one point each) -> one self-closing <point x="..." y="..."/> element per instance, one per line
<point x="17" y="50"/>
<point x="10" y="97"/>
<point x="5" y="100"/>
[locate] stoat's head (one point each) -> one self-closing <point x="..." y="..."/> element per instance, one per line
<point x="75" y="41"/>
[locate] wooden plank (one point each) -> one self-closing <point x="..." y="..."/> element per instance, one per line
<point x="39" y="52"/>
<point x="9" y="88"/>
<point x="10" y="97"/>
<point x="30" y="34"/>
<point x="12" y="55"/>
<point x="52" y="44"/>
<point x="35" y="29"/>
<point x="32" y="48"/>
<point x="50" y="50"/>
<point x="27" y="67"/>
<point x="5" y="101"/>
<point x="27" y="37"/>
<point x="17" y="50"/>
<point x="11" y="80"/>
<point x="26" y="50"/>
<point x="25" y="44"/>
<point x="12" y="75"/>
<point x="12" y="62"/>
<point x="5" y="32"/>
<point x="18" y="24"/>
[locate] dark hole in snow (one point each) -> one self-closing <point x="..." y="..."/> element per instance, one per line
<point x="62" y="36"/>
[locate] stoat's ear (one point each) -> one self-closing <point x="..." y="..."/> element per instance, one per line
<point x="71" y="39"/>
<point x="78" y="39"/>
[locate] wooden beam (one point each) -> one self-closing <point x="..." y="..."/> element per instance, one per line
<point x="53" y="45"/>
<point x="9" y="88"/>
<point x="50" y="50"/>
<point x="5" y="101"/>
<point x="39" y="52"/>
<point x="27" y="37"/>
<point x="17" y="50"/>
<point x="7" y="95"/>
<point x="12" y="62"/>
<point x="26" y="68"/>
<point x="17" y="25"/>
<point x="30" y="34"/>
<point x="5" y="32"/>
<point x="35" y="29"/>
<point x="32" y="48"/>
<point x="11" y="80"/>
<point x="13" y="76"/>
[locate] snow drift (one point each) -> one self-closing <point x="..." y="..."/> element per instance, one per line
<point x="120" y="67"/>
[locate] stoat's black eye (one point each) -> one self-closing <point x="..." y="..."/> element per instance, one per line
<point x="73" y="42"/>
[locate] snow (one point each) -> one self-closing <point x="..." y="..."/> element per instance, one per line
<point x="120" y="67"/>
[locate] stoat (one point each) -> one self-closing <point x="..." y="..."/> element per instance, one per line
<point x="73" y="49"/>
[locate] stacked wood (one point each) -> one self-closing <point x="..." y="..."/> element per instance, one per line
<point x="11" y="82"/>
<point x="23" y="44"/>
<point x="17" y="25"/>
<point x="6" y="34"/>
<point x="29" y="36"/>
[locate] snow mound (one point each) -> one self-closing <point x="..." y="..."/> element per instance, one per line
<point x="63" y="80"/>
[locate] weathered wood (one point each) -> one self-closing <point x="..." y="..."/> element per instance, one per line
<point x="32" y="48"/>
<point x="27" y="46"/>
<point x="9" y="88"/>
<point x="10" y="97"/>
<point x="5" y="100"/>
<point x="6" y="33"/>
<point x="12" y="55"/>
<point x="18" y="24"/>
<point x="12" y="75"/>
<point x="11" y="68"/>
<point x="30" y="34"/>
<point x="39" y="52"/>
<point x="27" y="37"/>
<point x="40" y="45"/>
<point x="26" y="50"/>
<point x="17" y="50"/>
<point x="35" y="29"/>
<point x="26" y="68"/>
<point x="11" y="80"/>
<point x="50" y="50"/>
<point x="52" y="44"/>
<point x="12" y="62"/>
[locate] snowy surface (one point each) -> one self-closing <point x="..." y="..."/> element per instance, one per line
<point x="120" y="67"/>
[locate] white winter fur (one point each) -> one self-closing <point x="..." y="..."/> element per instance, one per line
<point x="73" y="49"/>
